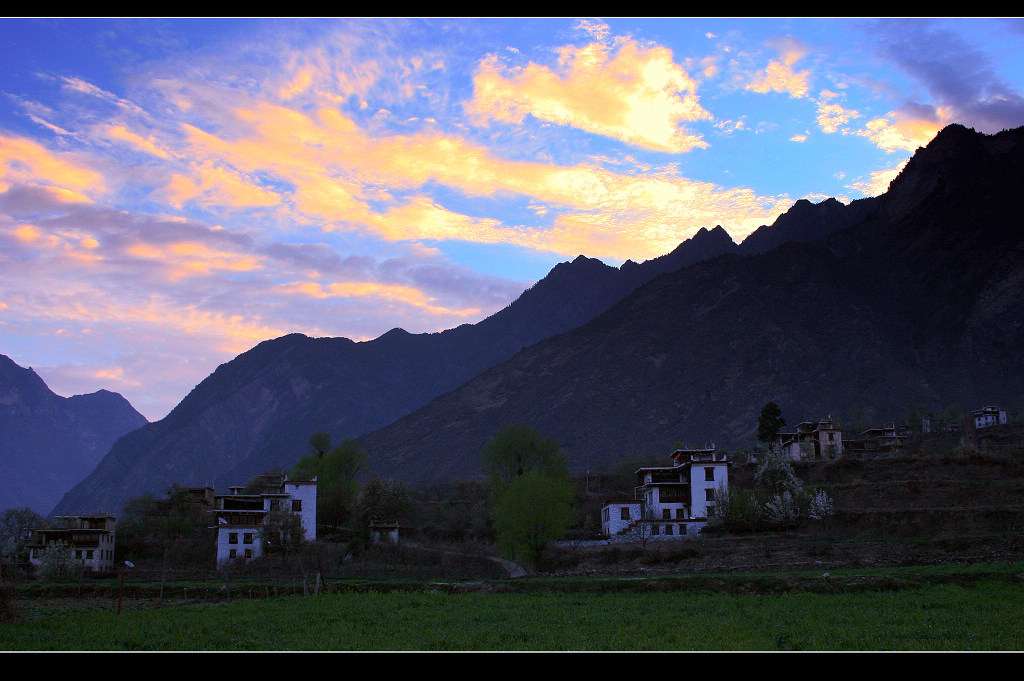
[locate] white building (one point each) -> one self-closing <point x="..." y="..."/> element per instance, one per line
<point x="669" y="501"/>
<point x="241" y="516"/>
<point x="988" y="416"/>
<point x="91" y="540"/>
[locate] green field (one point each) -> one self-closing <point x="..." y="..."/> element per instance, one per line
<point x="983" y="615"/>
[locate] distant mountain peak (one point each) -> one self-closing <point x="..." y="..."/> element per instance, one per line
<point x="48" y="442"/>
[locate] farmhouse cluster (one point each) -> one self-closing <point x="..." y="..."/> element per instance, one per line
<point x="671" y="501"/>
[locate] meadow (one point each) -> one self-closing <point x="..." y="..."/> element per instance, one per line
<point x="984" y="614"/>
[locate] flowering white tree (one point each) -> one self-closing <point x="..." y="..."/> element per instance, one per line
<point x="781" y="510"/>
<point x="56" y="562"/>
<point x="821" y="506"/>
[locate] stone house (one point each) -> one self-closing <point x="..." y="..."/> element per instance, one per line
<point x="91" y="539"/>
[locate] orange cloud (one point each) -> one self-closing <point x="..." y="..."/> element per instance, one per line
<point x="331" y="170"/>
<point x="639" y="95"/>
<point x="142" y="143"/>
<point x="903" y="134"/>
<point x="779" y="75"/>
<point x="24" y="161"/>
<point x="832" y="116"/>
<point x="406" y="295"/>
<point x="187" y="259"/>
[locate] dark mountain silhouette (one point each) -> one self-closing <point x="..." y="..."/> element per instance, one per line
<point x="48" y="443"/>
<point x="829" y="306"/>
<point x="920" y="302"/>
<point x="257" y="411"/>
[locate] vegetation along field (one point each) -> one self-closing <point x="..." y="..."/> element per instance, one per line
<point x="980" y="610"/>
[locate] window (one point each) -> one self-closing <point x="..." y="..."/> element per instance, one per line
<point x="654" y="529"/>
<point x="624" y="513"/>
<point x="709" y="474"/>
<point x="275" y="504"/>
<point x="233" y="553"/>
<point x="88" y="555"/>
<point x="666" y="514"/>
<point x="680" y="514"/>
<point x="232" y="537"/>
<point x="668" y="529"/>
<point x="709" y="495"/>
<point x="296" y="505"/>
<point x="682" y="528"/>
<point x="831" y="437"/>
<point x="247" y="537"/>
<point x="248" y="553"/>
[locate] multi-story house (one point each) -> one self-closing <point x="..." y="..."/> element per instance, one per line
<point x="812" y="440"/>
<point x="988" y="416"/>
<point x="669" y="501"/>
<point x="243" y="515"/>
<point x="91" y="540"/>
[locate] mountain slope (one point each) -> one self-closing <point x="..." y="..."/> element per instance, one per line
<point x="49" y="443"/>
<point x="257" y="411"/>
<point x="920" y="302"/>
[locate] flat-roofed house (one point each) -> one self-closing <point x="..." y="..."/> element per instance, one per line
<point x="669" y="501"/>
<point x="242" y="514"/>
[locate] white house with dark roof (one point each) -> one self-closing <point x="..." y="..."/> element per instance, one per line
<point x="988" y="416"/>
<point x="669" y="501"/>
<point x="241" y="515"/>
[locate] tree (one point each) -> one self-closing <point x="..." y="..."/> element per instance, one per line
<point x="531" y="511"/>
<point x="16" y="525"/>
<point x="56" y="562"/>
<point x="320" y="443"/>
<point x="770" y="423"/>
<point x="775" y="476"/>
<point x="517" y="450"/>
<point x="177" y="526"/>
<point x="384" y="501"/>
<point x="335" y="473"/>
<point x="820" y="507"/>
<point x="282" y="532"/>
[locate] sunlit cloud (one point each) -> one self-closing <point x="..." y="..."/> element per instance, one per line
<point x="627" y="91"/>
<point x="900" y="133"/>
<point x="343" y="177"/>
<point x="831" y="117"/>
<point x="147" y="145"/>
<point x="879" y="180"/>
<point x="26" y="162"/>
<point x="779" y="75"/>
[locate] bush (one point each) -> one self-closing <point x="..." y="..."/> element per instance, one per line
<point x="56" y="563"/>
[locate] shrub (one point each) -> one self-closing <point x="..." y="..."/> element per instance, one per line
<point x="56" y="563"/>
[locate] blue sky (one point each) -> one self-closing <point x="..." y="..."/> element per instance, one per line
<point x="173" y="192"/>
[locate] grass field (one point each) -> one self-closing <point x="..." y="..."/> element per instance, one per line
<point x="982" y="615"/>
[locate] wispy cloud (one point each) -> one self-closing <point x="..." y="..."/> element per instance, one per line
<point x="342" y="177"/>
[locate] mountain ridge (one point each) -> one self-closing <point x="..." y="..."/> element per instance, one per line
<point x="257" y="411"/>
<point x="922" y="301"/>
<point x="51" y="442"/>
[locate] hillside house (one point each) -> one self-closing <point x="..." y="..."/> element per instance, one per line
<point x="819" y="439"/>
<point x="243" y="514"/>
<point x="90" y="538"/>
<point x="988" y="416"/>
<point x="670" y="501"/>
<point x="879" y="439"/>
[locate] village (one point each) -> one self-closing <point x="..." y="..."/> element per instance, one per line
<point x="670" y="502"/>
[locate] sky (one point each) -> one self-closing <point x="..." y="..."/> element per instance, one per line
<point x="175" y="191"/>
